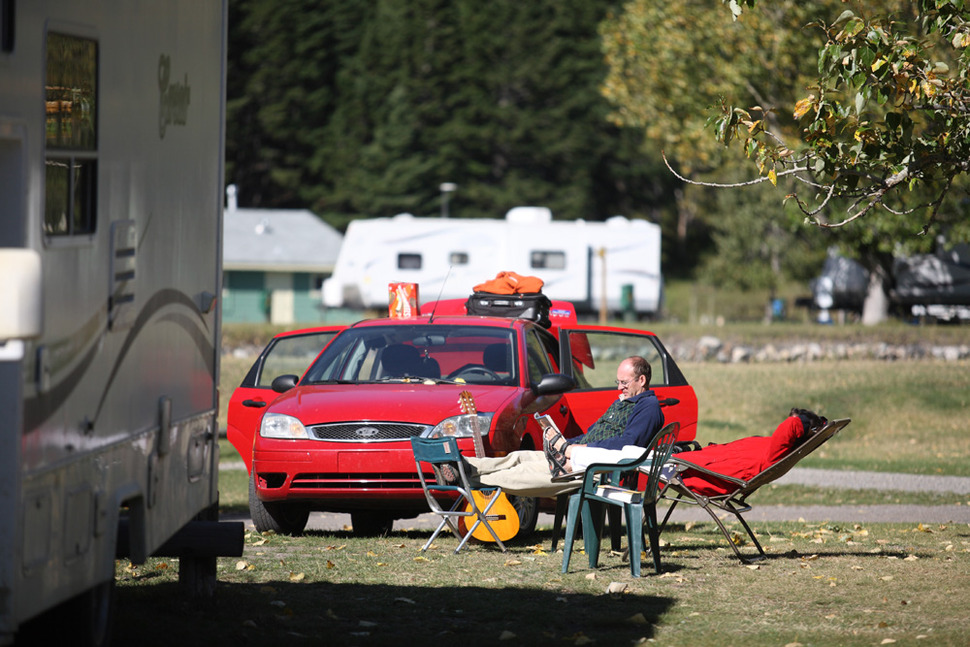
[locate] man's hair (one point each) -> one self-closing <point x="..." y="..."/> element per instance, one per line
<point x="640" y="367"/>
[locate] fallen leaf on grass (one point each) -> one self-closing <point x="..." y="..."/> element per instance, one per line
<point x="331" y="564"/>
<point x="910" y="558"/>
<point x="887" y="641"/>
<point x="591" y="576"/>
<point x="753" y="567"/>
<point x="297" y="577"/>
<point x="513" y="562"/>
<point x="419" y="558"/>
<point x="886" y="578"/>
<point x="371" y="553"/>
<point x="507" y="635"/>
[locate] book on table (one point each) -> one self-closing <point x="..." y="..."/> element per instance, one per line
<point x="616" y="493"/>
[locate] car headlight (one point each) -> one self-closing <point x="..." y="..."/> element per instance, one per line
<point x="462" y="426"/>
<point x="277" y="425"/>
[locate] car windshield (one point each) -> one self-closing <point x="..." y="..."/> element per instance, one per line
<point x="424" y="352"/>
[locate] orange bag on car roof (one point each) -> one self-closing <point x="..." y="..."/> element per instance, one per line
<point x="510" y="283"/>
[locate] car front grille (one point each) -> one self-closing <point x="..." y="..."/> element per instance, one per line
<point x="359" y="432"/>
<point x="377" y="481"/>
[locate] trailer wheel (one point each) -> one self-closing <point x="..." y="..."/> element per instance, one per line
<point x="85" y="620"/>
<point x="281" y="518"/>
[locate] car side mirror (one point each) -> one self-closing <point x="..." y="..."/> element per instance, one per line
<point x="553" y="384"/>
<point x="284" y="383"/>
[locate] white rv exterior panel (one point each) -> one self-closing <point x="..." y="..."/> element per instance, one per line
<point x="111" y="401"/>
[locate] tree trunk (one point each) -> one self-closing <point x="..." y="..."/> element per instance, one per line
<point x="875" y="309"/>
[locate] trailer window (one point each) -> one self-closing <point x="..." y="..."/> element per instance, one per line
<point x="546" y="260"/>
<point x="71" y="105"/>
<point x="458" y="258"/>
<point x="409" y="261"/>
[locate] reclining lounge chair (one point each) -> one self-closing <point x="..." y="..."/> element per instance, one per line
<point x="716" y="491"/>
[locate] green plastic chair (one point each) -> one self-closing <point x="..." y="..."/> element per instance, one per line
<point x="641" y="477"/>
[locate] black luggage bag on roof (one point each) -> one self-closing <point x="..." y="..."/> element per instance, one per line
<point x="533" y="306"/>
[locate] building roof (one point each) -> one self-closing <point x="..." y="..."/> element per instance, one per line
<point x="278" y="240"/>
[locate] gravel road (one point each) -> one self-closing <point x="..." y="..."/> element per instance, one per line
<point x="958" y="513"/>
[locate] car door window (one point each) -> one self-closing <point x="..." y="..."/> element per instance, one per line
<point x="291" y="355"/>
<point x="596" y="356"/>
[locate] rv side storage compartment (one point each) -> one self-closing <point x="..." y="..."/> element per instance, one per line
<point x="533" y="306"/>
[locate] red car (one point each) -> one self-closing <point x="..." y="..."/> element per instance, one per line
<point x="337" y="438"/>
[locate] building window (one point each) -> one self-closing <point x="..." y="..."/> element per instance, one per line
<point x="548" y="260"/>
<point x="409" y="261"/>
<point x="458" y="258"/>
<point x="71" y="181"/>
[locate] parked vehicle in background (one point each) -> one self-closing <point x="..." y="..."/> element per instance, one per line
<point x="338" y="438"/>
<point x="111" y="172"/>
<point x="927" y="286"/>
<point x="612" y="265"/>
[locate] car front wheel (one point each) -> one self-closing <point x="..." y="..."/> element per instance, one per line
<point x="281" y="518"/>
<point x="528" y="509"/>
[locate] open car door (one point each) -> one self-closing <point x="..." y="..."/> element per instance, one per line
<point x="289" y="353"/>
<point x="591" y="355"/>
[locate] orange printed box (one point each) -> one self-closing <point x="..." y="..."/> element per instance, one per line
<point x="402" y="299"/>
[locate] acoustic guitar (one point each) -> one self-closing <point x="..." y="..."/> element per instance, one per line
<point x="502" y="516"/>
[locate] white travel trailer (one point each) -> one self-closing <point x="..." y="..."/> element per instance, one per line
<point x="111" y="173"/>
<point x="613" y="264"/>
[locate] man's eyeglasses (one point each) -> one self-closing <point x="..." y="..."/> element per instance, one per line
<point x="623" y="383"/>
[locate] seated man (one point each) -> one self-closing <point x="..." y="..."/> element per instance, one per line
<point x="633" y="419"/>
<point x="746" y="457"/>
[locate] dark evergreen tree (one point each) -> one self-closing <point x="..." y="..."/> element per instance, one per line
<point x="358" y="109"/>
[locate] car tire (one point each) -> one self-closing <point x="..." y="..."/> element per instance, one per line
<point x="371" y="524"/>
<point x="528" y="509"/>
<point x="281" y="518"/>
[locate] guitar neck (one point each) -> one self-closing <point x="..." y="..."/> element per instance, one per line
<point x="477" y="436"/>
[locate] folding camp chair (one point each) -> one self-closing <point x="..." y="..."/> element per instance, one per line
<point x="734" y="501"/>
<point x="629" y="483"/>
<point x="444" y="451"/>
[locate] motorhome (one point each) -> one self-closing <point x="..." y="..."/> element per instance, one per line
<point x="611" y="265"/>
<point x="111" y="168"/>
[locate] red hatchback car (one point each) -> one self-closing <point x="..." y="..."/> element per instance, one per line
<point x="338" y="437"/>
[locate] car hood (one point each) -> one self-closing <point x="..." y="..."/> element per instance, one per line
<point x="416" y="403"/>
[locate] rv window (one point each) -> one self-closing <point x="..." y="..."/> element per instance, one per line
<point x="458" y="258"/>
<point x="548" y="260"/>
<point x="409" y="261"/>
<point x="71" y="93"/>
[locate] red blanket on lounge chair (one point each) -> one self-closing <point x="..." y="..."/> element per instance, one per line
<point x="743" y="458"/>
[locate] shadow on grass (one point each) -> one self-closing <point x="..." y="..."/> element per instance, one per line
<point x="285" y="613"/>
